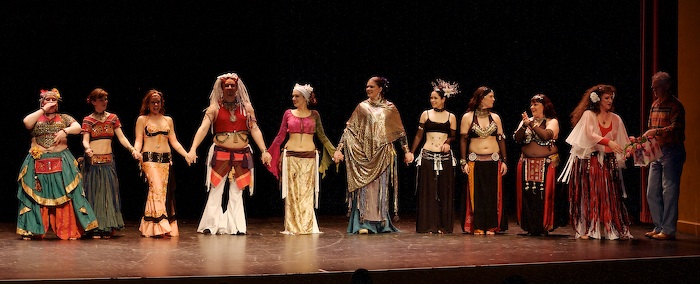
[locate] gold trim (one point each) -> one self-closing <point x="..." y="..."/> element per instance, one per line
<point x="24" y="210"/>
<point x="43" y="201"/>
<point x="23" y="232"/>
<point x="82" y="210"/>
<point x="73" y="184"/>
<point x="22" y="172"/>
<point x="92" y="225"/>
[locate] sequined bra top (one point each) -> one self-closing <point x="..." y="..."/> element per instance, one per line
<point x="45" y="129"/>
<point x="152" y="130"/>
<point x="230" y="122"/>
<point x="531" y="136"/>
<point x="478" y="132"/>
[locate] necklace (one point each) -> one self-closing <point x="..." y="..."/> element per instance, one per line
<point x="482" y="112"/>
<point x="231" y="107"/>
<point x="99" y="115"/>
<point x="601" y="119"/>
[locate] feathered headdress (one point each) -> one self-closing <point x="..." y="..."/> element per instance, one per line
<point x="450" y="89"/>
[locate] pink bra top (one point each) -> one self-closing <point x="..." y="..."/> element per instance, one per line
<point x="305" y="125"/>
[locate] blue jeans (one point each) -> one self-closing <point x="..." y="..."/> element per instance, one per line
<point x="664" y="187"/>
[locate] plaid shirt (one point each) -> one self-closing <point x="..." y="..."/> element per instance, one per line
<point x="668" y="117"/>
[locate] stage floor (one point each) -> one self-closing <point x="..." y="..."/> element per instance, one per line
<point x="266" y="252"/>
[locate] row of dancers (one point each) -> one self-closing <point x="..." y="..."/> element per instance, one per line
<point x="54" y="192"/>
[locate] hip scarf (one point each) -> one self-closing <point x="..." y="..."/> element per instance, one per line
<point x="235" y="164"/>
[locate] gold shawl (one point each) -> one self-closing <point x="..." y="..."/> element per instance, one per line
<point x="368" y="138"/>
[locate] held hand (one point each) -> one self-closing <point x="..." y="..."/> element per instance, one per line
<point x="504" y="169"/>
<point x="136" y="155"/>
<point x="650" y="133"/>
<point x="191" y="157"/>
<point x="465" y="169"/>
<point x="338" y="157"/>
<point x="89" y="152"/>
<point x="445" y="148"/>
<point x="266" y="158"/>
<point x="615" y="147"/>
<point x="408" y="158"/>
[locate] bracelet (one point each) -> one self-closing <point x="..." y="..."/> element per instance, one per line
<point x="131" y="149"/>
<point x="64" y="130"/>
<point x="462" y="162"/>
<point x="264" y="151"/>
<point x="41" y="108"/>
<point x="340" y="147"/>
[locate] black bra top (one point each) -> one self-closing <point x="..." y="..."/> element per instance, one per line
<point x="441" y="127"/>
<point x="151" y="134"/>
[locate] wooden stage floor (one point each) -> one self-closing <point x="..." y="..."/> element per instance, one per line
<point x="266" y="256"/>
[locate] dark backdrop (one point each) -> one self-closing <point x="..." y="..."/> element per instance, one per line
<point x="519" y="48"/>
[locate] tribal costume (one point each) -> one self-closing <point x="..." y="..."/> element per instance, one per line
<point x="372" y="165"/>
<point x="100" y="177"/>
<point x="300" y="178"/>
<point x="50" y="190"/>
<point x="596" y="189"/>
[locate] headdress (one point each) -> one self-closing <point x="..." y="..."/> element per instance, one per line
<point x="449" y="89"/>
<point x="54" y="92"/>
<point x="217" y="91"/>
<point x="305" y="90"/>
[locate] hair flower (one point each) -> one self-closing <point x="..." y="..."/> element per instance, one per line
<point x="594" y="97"/>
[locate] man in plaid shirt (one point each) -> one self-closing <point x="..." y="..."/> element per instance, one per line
<point x="667" y="125"/>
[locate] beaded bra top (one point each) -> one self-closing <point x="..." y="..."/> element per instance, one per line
<point x="477" y="131"/>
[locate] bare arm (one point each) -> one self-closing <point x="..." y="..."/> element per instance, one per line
<point x="86" y="144"/>
<point x="257" y="136"/>
<point x="33" y="117"/>
<point x="172" y="138"/>
<point x="125" y="142"/>
<point x="138" y="139"/>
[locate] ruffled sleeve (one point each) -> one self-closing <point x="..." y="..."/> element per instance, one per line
<point x="327" y="149"/>
<point x="276" y="145"/>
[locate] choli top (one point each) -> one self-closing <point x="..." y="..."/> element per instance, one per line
<point x="101" y="129"/>
<point x="441" y="127"/>
<point x="478" y="132"/>
<point x="227" y="122"/>
<point x="295" y="124"/>
<point x="45" y="129"/>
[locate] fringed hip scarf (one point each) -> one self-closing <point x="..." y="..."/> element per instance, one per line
<point x="285" y="171"/>
<point x="437" y="158"/>
<point x="535" y="170"/>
